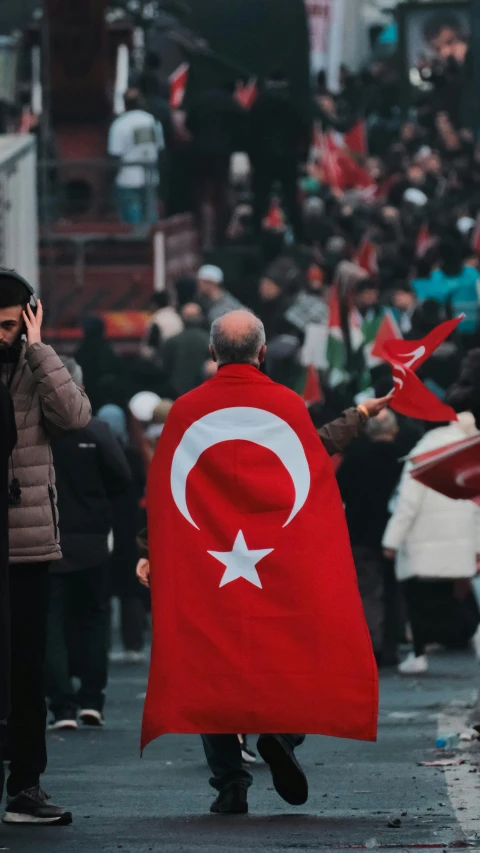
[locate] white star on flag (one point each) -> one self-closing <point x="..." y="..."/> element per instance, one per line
<point x="240" y="562"/>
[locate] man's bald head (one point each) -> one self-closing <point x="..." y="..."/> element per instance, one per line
<point x="191" y="314"/>
<point x="238" y="338"/>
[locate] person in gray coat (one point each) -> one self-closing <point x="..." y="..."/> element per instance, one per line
<point x="47" y="403"/>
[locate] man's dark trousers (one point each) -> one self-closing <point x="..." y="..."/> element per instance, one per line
<point x="26" y="745"/>
<point x="224" y="757"/>
<point x="78" y="639"/>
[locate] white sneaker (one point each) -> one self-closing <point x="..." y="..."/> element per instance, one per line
<point x="413" y="665"/>
<point x="91" y="717"/>
<point x="67" y="723"/>
<point x="134" y="657"/>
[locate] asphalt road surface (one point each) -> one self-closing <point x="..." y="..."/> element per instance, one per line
<point x="161" y="802"/>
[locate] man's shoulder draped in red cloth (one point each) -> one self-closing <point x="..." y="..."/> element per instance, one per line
<point x="258" y="622"/>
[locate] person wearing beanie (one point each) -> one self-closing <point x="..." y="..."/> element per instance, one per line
<point x="214" y="299"/>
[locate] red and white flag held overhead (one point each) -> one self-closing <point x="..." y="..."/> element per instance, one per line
<point x="411" y="397"/>
<point x="178" y="85"/>
<point x="252" y="576"/>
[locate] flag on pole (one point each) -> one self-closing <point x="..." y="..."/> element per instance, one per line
<point x="388" y="330"/>
<point x="366" y="257"/>
<point x="312" y="391"/>
<point x="454" y="471"/>
<point x="411" y="397"/>
<point x="178" y="85"/>
<point x="476" y="238"/>
<point x="246" y="95"/>
<point x="356" y="139"/>
<point x="424" y="240"/>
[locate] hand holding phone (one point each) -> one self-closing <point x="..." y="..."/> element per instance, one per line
<point x="33" y="322"/>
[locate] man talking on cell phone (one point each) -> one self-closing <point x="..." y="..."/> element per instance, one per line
<point x="47" y="403"/>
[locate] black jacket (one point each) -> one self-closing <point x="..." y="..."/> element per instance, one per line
<point x="184" y="356"/>
<point x="91" y="470"/>
<point x="367" y="479"/>
<point x="8" y="437"/>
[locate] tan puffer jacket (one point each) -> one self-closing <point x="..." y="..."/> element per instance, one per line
<point x="47" y="403"/>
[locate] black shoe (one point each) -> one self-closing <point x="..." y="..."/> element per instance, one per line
<point x="32" y="806"/>
<point x="232" y="800"/>
<point x="289" y="780"/>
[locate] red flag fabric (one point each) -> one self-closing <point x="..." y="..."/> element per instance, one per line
<point x="178" y="85"/>
<point x="258" y="624"/>
<point x="246" y="95"/>
<point x="312" y="392"/>
<point x="476" y="238"/>
<point x="413" y="353"/>
<point x="387" y="331"/>
<point x="356" y="139"/>
<point x="413" y="399"/>
<point x="366" y="257"/>
<point x="424" y="241"/>
<point x="453" y="470"/>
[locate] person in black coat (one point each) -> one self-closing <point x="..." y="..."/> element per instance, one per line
<point x="367" y="479"/>
<point x="279" y="139"/>
<point x="8" y="437"/>
<point x="91" y="471"/>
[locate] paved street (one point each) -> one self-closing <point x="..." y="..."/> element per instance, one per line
<point x="160" y="802"/>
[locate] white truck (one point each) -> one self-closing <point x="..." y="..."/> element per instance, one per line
<point x="18" y="206"/>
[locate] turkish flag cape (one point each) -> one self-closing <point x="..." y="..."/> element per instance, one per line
<point x="258" y="624"/>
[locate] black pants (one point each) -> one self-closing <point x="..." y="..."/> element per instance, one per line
<point x="265" y="174"/>
<point x="78" y="639"/>
<point x="224" y="757"/>
<point x="26" y="724"/>
<point x="439" y="611"/>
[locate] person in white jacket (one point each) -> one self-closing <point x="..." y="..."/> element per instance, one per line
<point x="431" y="538"/>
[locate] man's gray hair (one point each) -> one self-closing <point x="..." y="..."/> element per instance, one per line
<point x="73" y="368"/>
<point x="385" y="424"/>
<point x="237" y="349"/>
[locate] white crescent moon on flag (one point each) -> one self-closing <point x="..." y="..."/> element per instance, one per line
<point x="245" y="424"/>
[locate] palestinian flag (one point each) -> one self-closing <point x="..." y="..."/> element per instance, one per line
<point x="345" y="359"/>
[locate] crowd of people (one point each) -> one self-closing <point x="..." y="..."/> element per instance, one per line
<point x="321" y="241"/>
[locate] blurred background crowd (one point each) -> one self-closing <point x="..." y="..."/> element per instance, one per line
<point x="317" y="163"/>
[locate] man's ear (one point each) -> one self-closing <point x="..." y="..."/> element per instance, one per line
<point x="212" y="353"/>
<point x="262" y="354"/>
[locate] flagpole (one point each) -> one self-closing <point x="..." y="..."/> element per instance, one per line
<point x="335" y="53"/>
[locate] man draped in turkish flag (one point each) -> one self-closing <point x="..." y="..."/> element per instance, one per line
<point x="258" y="624"/>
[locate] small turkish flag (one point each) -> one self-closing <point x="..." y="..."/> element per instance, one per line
<point x="454" y="471"/>
<point x="411" y="397"/>
<point x="178" y="85"/>
<point x="414" y="353"/>
<point x="258" y="625"/>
